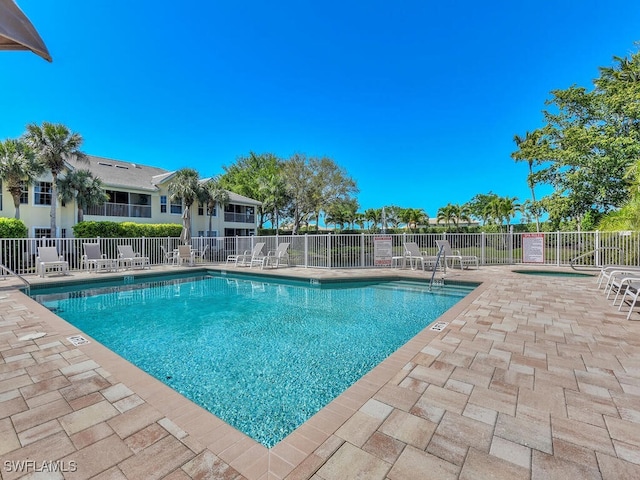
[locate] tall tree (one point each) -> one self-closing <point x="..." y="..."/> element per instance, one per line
<point x="529" y="148"/>
<point x="84" y="188"/>
<point x="214" y="194"/>
<point x="53" y="145"/>
<point x="590" y="139"/>
<point x="274" y="196"/>
<point x="412" y="217"/>
<point x="18" y="167"/>
<point x="247" y="175"/>
<point x="186" y="187"/>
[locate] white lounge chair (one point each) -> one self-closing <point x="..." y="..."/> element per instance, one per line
<point x="94" y="259"/>
<point x="463" y="260"/>
<point x="275" y="257"/>
<point x="414" y="255"/>
<point x="249" y="258"/>
<point x="48" y="261"/>
<point x="129" y="259"/>
<point x="610" y="271"/>
<point x="185" y="254"/>
<point x="631" y="289"/>
<point x="168" y="256"/>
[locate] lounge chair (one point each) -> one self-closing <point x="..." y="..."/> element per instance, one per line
<point x="129" y="259"/>
<point x="48" y="261"/>
<point x="94" y="259"/>
<point x="168" y="256"/>
<point x="610" y="271"/>
<point x="463" y="260"/>
<point x="249" y="258"/>
<point x="185" y="254"/>
<point x="277" y="256"/>
<point x="414" y="255"/>
<point x="630" y="288"/>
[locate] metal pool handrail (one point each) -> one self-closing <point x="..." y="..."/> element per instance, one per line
<point x="595" y="267"/>
<point x="435" y="267"/>
<point x="6" y="270"/>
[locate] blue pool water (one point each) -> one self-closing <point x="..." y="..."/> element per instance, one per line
<point x="262" y="356"/>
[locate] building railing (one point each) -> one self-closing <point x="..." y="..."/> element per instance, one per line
<point x="120" y="210"/>
<point x="240" y="217"/>
<point x="586" y="249"/>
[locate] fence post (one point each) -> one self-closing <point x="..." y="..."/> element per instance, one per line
<point x="306" y="250"/>
<point x="510" y="244"/>
<point x="329" y="249"/>
<point x="362" y="259"/>
<point x="558" y="249"/>
<point x="483" y="240"/>
<point x="597" y="247"/>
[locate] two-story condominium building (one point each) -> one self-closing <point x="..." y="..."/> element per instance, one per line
<point x="137" y="193"/>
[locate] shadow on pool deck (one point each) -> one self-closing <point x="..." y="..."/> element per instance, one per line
<point x="533" y="376"/>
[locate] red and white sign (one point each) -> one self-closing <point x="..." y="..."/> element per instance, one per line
<point x="533" y="248"/>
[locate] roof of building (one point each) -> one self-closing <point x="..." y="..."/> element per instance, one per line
<point x="116" y="173"/>
<point x="127" y="175"/>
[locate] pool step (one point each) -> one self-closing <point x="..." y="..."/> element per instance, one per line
<point x="452" y="290"/>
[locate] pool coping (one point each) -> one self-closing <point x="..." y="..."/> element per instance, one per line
<point x="247" y="456"/>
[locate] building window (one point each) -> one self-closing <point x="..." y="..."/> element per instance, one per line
<point x="176" y="206"/>
<point x="200" y="209"/>
<point x="213" y="213"/>
<point x="24" y="193"/>
<point x="163" y="204"/>
<point x="42" y="193"/>
<point x="42" y="232"/>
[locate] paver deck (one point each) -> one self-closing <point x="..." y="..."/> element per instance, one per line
<point x="533" y="377"/>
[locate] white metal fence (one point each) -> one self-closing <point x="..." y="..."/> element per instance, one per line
<point x="348" y="250"/>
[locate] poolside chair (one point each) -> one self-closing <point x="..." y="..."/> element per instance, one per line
<point x="168" y="256"/>
<point x="609" y="271"/>
<point x="185" y="254"/>
<point x="94" y="259"/>
<point x="249" y="258"/>
<point x="463" y="260"/>
<point x="48" y="261"/>
<point x="414" y="255"/>
<point x="277" y="256"/>
<point x="631" y="290"/>
<point x="129" y="259"/>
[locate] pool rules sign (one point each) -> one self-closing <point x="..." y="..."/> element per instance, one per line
<point x="382" y="250"/>
<point x="533" y="248"/>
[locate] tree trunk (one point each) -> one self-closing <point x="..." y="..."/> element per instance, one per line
<point x="16" y="203"/>
<point x="54" y="202"/>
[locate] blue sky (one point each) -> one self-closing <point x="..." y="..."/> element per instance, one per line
<point x="418" y="100"/>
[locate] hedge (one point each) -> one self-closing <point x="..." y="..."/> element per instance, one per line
<point x="125" y="230"/>
<point x="12" y="228"/>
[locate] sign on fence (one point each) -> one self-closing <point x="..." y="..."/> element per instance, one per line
<point x="382" y="250"/>
<point x="533" y="248"/>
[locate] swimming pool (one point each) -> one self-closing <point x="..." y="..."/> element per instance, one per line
<point x="264" y="356"/>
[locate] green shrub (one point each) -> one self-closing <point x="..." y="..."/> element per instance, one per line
<point x="125" y="230"/>
<point x="12" y="228"/>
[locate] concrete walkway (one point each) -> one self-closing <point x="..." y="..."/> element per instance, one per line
<point x="533" y="377"/>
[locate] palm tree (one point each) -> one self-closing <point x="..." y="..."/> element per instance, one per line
<point x="81" y="185"/>
<point x="186" y="187"/>
<point x="274" y="196"/>
<point x="17" y="167"/>
<point x="412" y="217"/>
<point x="527" y="146"/>
<point x="448" y="214"/>
<point x="53" y="145"/>
<point x="373" y="215"/>
<point x="215" y="195"/>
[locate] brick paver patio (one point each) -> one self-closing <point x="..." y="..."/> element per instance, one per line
<point x="534" y="377"/>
